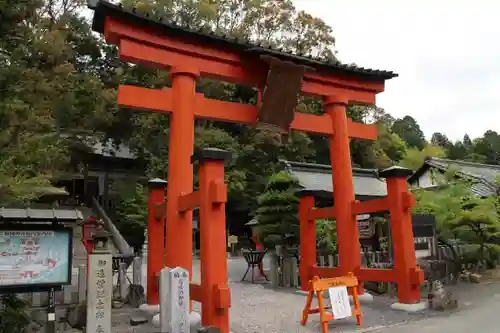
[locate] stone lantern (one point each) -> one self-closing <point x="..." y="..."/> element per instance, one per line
<point x="253" y="224"/>
<point x="100" y="241"/>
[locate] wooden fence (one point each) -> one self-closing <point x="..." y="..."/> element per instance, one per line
<point x="442" y="264"/>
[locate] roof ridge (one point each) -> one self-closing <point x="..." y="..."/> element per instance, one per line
<point x="490" y="166"/>
<point x="325" y="166"/>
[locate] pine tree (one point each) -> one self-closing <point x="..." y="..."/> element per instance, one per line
<point x="277" y="211"/>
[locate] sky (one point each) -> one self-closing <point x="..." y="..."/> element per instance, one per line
<point x="446" y="52"/>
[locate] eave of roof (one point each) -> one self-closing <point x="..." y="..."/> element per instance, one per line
<point x="482" y="186"/>
<point x="444" y="165"/>
<point x="316" y="180"/>
<point x="40" y="215"/>
<point x="328" y="169"/>
<point x="105" y="9"/>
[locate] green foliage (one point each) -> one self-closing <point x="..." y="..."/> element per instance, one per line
<point x="414" y="158"/>
<point x="13" y="314"/>
<point x="326" y="236"/>
<point x="277" y="210"/>
<point x="49" y="85"/>
<point x="460" y="214"/>
<point x="131" y="211"/>
<point x="57" y="77"/>
<point x="409" y="130"/>
<point x="441" y="140"/>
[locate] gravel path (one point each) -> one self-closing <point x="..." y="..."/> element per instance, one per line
<point x="259" y="309"/>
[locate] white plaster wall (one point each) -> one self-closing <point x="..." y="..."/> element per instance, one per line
<point x="425" y="180"/>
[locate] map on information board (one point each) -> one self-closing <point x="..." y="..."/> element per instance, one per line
<point x="32" y="257"/>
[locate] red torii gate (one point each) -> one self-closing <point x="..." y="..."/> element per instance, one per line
<point x="189" y="55"/>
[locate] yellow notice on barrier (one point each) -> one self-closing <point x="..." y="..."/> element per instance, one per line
<point x="339" y="300"/>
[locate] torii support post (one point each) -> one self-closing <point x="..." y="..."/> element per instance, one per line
<point x="307" y="241"/>
<point x="215" y="294"/>
<point x="156" y="240"/>
<point x="409" y="277"/>
<point x="398" y="203"/>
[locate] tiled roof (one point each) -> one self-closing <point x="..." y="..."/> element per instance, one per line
<point x="40" y="215"/>
<point x="318" y="178"/>
<point x="486" y="171"/>
<point x="484" y="175"/>
<point x="105" y="9"/>
<point x="106" y="149"/>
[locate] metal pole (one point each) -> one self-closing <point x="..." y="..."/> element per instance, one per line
<point x="51" y="311"/>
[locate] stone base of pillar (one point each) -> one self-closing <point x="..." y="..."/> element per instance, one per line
<point x="194" y="321"/>
<point x="152" y="313"/>
<point x="149" y="310"/>
<point x="416" y="307"/>
<point x="365" y="298"/>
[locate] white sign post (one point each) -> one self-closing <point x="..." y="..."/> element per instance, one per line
<point x="99" y="293"/>
<point x="179" y="300"/>
<point x="339" y="298"/>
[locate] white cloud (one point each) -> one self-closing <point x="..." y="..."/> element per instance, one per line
<point x="446" y="53"/>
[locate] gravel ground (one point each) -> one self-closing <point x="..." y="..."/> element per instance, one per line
<point x="256" y="308"/>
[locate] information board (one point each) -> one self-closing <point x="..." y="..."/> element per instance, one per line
<point x="38" y="257"/>
<point x="339" y="300"/>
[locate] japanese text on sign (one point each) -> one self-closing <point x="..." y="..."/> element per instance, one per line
<point x="99" y="294"/>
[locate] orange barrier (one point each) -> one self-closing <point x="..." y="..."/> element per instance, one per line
<point x="318" y="286"/>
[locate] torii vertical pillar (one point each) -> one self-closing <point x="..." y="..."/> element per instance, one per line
<point x="408" y="275"/>
<point x="179" y="244"/>
<point x="343" y="187"/>
<point x="156" y="241"/>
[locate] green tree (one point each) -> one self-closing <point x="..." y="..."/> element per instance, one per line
<point x="441" y="140"/>
<point x="457" y="151"/>
<point x="414" y="158"/>
<point x="277" y="210"/>
<point x="467" y="141"/>
<point x="14" y="316"/>
<point x="326" y="236"/>
<point x="409" y="130"/>
<point x="387" y="149"/>
<point x="460" y="214"/>
<point x="488" y="146"/>
<point x="131" y="213"/>
<point x="29" y="151"/>
<point x="48" y="64"/>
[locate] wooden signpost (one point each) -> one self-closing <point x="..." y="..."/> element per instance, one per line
<point x="339" y="300"/>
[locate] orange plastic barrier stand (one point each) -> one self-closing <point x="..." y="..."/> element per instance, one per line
<point x="318" y="286"/>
